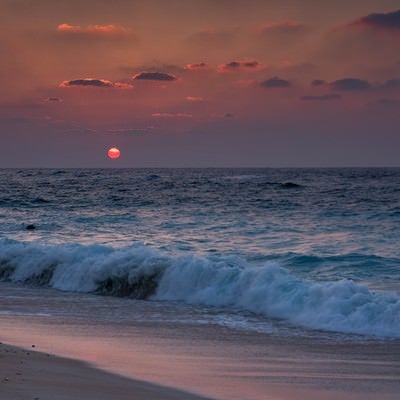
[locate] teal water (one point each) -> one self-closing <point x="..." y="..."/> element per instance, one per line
<point x="314" y="248"/>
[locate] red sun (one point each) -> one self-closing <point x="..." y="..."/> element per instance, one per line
<point x="113" y="152"/>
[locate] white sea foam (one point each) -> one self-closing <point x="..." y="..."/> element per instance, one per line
<point x="268" y="289"/>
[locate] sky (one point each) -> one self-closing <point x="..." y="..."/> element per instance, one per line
<point x="199" y="83"/>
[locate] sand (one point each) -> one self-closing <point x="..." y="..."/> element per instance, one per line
<point x="31" y="375"/>
<point x="27" y="374"/>
<point x="117" y="359"/>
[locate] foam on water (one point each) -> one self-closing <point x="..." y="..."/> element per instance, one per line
<point x="229" y="281"/>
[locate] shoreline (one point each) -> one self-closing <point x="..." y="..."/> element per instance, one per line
<point x="28" y="374"/>
<point x="89" y="347"/>
<point x="33" y="375"/>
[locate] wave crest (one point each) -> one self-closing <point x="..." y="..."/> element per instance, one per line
<point x="142" y="273"/>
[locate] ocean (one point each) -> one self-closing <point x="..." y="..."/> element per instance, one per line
<point x="284" y="254"/>
<point x="311" y="248"/>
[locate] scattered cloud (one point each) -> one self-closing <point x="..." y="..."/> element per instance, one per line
<point x="391" y="84"/>
<point x="123" y="85"/>
<point x="275" y="82"/>
<point x="364" y="46"/>
<point x="99" y="83"/>
<point x="88" y="82"/>
<point x="94" y="31"/>
<point x="239" y="66"/>
<point x="233" y="65"/>
<point x="324" y="97"/>
<point x="194" y="99"/>
<point x="155" y="76"/>
<point x="54" y="100"/>
<point x="389" y="21"/>
<point x="227" y="115"/>
<point x="282" y="27"/>
<point x="130" y="131"/>
<point x="318" y="82"/>
<point x="172" y="115"/>
<point x="196" y="67"/>
<point x="351" y="84"/>
<point x="357" y="84"/>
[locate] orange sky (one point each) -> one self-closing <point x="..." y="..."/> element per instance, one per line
<point x="199" y="83"/>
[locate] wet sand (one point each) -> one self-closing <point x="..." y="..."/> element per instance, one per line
<point x="31" y="375"/>
<point x="26" y="374"/>
<point x="118" y="355"/>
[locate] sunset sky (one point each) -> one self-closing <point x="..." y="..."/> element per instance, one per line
<point x="200" y="83"/>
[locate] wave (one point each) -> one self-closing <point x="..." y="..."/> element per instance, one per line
<point x="143" y="273"/>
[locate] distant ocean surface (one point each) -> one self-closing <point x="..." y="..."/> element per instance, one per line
<point x="280" y="250"/>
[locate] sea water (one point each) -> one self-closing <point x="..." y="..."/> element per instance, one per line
<point x="282" y="251"/>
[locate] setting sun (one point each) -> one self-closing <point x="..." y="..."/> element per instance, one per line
<point x="114" y="152"/>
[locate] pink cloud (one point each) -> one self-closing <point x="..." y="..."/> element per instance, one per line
<point x="109" y="31"/>
<point x="123" y="85"/>
<point x="196" y="67"/>
<point x="194" y="98"/>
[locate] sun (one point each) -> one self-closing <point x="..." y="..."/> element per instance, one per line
<point x="113" y="152"/>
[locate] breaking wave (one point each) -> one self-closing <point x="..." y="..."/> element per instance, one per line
<point x="143" y="273"/>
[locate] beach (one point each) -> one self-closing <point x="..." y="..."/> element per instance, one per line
<point x="228" y="284"/>
<point x="29" y="375"/>
<point x="216" y="362"/>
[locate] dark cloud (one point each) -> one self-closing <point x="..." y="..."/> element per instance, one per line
<point x="324" y="97"/>
<point x="276" y="82"/>
<point x="350" y="84"/>
<point x="384" y="21"/>
<point x="227" y="115"/>
<point x="318" y="82"/>
<point x="239" y="66"/>
<point x="88" y="82"/>
<point x="99" y="83"/>
<point x="233" y="64"/>
<point x="391" y="84"/>
<point x="154" y="76"/>
<point x="357" y="84"/>
<point x="251" y="64"/>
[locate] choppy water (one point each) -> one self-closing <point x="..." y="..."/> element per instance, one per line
<point x="310" y="248"/>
